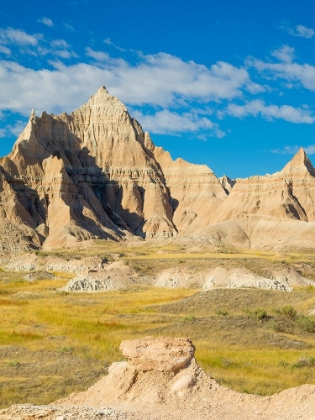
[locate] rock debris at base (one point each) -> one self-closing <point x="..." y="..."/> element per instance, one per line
<point x="27" y="411"/>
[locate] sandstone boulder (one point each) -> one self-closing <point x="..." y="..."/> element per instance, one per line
<point x="160" y="354"/>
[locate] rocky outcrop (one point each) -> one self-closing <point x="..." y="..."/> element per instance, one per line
<point x="160" y="354"/>
<point x="86" y="175"/>
<point x="33" y="262"/>
<point x="115" y="142"/>
<point x="288" y="194"/>
<point x="93" y="274"/>
<point x="240" y="278"/>
<point x="195" y="190"/>
<point x="96" y="174"/>
<point x="284" y="279"/>
<point x="227" y="183"/>
<point x="135" y="392"/>
<point x="109" y="277"/>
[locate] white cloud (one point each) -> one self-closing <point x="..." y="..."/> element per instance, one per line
<point x="5" y="50"/>
<point x="287" y="69"/>
<point x="46" y="21"/>
<point x="14" y="130"/>
<point x="301" y="31"/>
<point x="63" y="53"/>
<point x="68" y="27"/>
<point x="158" y="80"/>
<point x="60" y="48"/>
<point x="163" y="79"/>
<point x="167" y="122"/>
<point x="292" y="150"/>
<point x="35" y="45"/>
<point x="97" y="55"/>
<point x="310" y="150"/>
<point x="285" y="53"/>
<point x="255" y="88"/>
<point x="61" y="89"/>
<point x="17" y="128"/>
<point x="59" y="43"/>
<point x="18" y="37"/>
<point x="108" y="41"/>
<point x="284" y="112"/>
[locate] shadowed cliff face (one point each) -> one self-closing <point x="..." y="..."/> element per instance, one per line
<point x="96" y="174"/>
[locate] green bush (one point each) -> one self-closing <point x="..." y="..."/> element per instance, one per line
<point x="283" y="326"/>
<point x="306" y="324"/>
<point x="261" y="315"/>
<point x="189" y="318"/>
<point x="222" y="312"/>
<point x="304" y="362"/>
<point x="288" y="312"/>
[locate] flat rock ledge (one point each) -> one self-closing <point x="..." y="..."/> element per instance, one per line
<point x="160" y="354"/>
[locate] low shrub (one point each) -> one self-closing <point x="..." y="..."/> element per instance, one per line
<point x="306" y="324"/>
<point x="304" y="362"/>
<point x="222" y="312"/>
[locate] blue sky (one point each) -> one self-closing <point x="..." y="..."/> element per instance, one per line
<point x="229" y="84"/>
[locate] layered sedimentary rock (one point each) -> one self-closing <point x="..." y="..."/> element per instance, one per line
<point x="96" y="174"/>
<point x="86" y="175"/>
<point x="195" y="190"/>
<point x="289" y="193"/>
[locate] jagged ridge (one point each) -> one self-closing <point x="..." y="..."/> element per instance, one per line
<point x="96" y="174"/>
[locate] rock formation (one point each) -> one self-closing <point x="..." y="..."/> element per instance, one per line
<point x="284" y="279"/>
<point x="152" y="386"/>
<point x="227" y="183"/>
<point x="96" y="174"/>
<point x="164" y="354"/>
<point x="107" y="277"/>
<point x="289" y="194"/>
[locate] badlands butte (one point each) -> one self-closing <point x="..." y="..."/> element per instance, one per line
<point x="88" y="203"/>
<point x="96" y="174"/>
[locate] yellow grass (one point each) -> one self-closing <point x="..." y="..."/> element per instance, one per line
<point x="239" y="351"/>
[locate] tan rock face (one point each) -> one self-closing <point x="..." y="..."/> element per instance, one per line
<point x="161" y="354"/>
<point x="89" y="176"/>
<point x="114" y="141"/>
<point x="96" y="174"/>
<point x="289" y="193"/>
<point x="227" y="183"/>
<point x="195" y="190"/>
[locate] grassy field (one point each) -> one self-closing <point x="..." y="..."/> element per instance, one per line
<point x="253" y="341"/>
